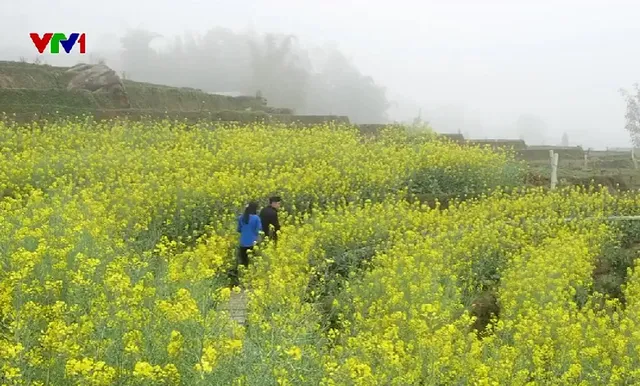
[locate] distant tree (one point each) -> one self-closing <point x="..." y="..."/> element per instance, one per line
<point x="278" y="70"/>
<point x="221" y="62"/>
<point x="565" y="139"/>
<point x="340" y="89"/>
<point x="632" y="115"/>
<point x="276" y="66"/>
<point x="418" y="120"/>
<point x="218" y="61"/>
<point x="138" y="59"/>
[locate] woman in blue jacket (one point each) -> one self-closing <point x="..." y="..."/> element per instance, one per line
<point x="249" y="227"/>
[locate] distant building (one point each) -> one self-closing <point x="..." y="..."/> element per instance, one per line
<point x="229" y="93"/>
<point x="623" y="149"/>
<point x="548" y="147"/>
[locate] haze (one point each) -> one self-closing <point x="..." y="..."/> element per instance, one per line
<point x="474" y="66"/>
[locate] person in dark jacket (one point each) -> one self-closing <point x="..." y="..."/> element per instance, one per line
<point x="269" y="218"/>
<point x="249" y="227"/>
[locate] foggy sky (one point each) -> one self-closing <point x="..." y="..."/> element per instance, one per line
<point x="470" y="65"/>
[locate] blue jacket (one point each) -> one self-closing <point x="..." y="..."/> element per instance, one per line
<point x="249" y="232"/>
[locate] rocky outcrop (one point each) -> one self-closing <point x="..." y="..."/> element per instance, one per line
<point x="98" y="78"/>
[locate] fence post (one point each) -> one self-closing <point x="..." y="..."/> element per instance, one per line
<point x="586" y="159"/>
<point x="554" y="168"/>
<point x="633" y="157"/>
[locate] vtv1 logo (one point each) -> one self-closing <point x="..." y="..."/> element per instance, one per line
<point x="58" y="39"/>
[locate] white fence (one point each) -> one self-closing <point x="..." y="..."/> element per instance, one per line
<point x="553" y="162"/>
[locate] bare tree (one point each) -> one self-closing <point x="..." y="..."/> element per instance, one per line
<point x="633" y="114"/>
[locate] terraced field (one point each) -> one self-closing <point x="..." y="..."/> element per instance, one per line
<point x="31" y="92"/>
<point x="116" y="239"/>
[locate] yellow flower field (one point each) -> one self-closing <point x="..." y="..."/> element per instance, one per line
<point x="116" y="237"/>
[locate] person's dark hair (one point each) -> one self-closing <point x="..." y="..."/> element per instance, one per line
<point x="273" y="199"/>
<point x="252" y="208"/>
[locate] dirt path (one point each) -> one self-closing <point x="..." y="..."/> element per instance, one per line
<point x="237" y="307"/>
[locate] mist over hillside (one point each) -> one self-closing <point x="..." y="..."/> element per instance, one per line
<point x="486" y="69"/>
<point x="319" y="80"/>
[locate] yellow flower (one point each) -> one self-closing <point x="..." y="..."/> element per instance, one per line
<point x="295" y="353"/>
<point x="233" y="345"/>
<point x="208" y="360"/>
<point x="144" y="370"/>
<point x="175" y="343"/>
<point x="89" y="372"/>
<point x="114" y="235"/>
<point x="132" y="341"/>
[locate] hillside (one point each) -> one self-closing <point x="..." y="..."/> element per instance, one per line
<point x="33" y="90"/>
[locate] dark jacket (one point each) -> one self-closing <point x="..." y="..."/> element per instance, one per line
<point x="270" y="224"/>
